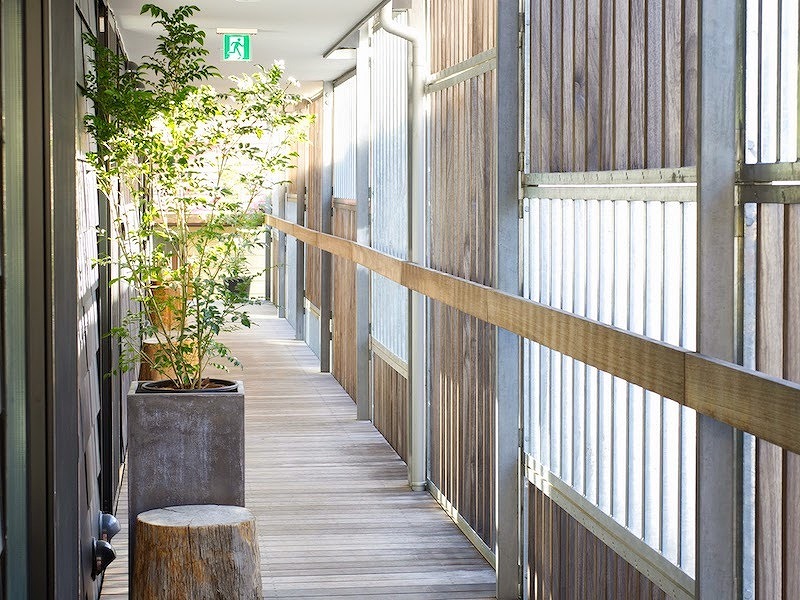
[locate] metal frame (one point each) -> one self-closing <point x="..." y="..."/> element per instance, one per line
<point x="389" y="357"/>
<point x="718" y="445"/>
<point x="508" y="405"/>
<point x="472" y="67"/>
<point x="679" y="192"/>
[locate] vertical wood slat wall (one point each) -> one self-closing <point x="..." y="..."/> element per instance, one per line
<point x="568" y="561"/>
<point x="459" y="30"/>
<point x="390" y="408"/>
<point x="616" y="84"/>
<point x="344" y="300"/>
<point x="462" y="223"/>
<point x="314" y="203"/>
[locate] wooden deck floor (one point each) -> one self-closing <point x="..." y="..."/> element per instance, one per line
<point x="335" y="516"/>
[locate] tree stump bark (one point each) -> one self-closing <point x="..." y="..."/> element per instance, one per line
<point x="198" y="552"/>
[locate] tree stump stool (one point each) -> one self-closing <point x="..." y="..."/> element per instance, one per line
<point x="197" y="552"/>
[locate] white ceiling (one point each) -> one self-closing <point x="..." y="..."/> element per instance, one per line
<point x="297" y="31"/>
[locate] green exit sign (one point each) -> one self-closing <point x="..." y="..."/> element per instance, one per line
<point x="236" y="46"/>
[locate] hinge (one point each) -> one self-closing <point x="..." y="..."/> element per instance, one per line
<point x="521" y="162"/>
<point x="369" y="192"/>
<point x="521" y="29"/>
<point x="521" y="439"/>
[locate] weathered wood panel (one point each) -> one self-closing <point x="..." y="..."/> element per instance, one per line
<point x="462" y="201"/>
<point x="314" y="203"/>
<point x="777" y="502"/>
<point x="390" y="405"/>
<point x="613" y="84"/>
<point x="344" y="300"/>
<point x="568" y="561"/>
<point x="460" y="29"/>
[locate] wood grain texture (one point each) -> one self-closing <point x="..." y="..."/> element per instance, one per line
<point x="195" y="552"/>
<point x="565" y="560"/>
<point x="459" y="29"/>
<point x="344" y="300"/>
<point x="630" y="67"/>
<point x="335" y="518"/>
<point x="769" y="358"/>
<point x="655" y="366"/>
<point x="462" y="346"/>
<point x="390" y="405"/>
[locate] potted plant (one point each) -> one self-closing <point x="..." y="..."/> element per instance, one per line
<point x="182" y="166"/>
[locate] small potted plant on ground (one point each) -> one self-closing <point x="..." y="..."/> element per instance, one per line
<point x="192" y="162"/>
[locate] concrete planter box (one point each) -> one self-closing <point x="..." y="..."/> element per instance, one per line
<point x="183" y="448"/>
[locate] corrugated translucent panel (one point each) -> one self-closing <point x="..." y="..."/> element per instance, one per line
<point x="771" y="81"/>
<point x="628" y="451"/>
<point x="344" y="139"/>
<point x="389" y="158"/>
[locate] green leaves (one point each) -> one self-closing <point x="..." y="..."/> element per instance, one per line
<point x="187" y="171"/>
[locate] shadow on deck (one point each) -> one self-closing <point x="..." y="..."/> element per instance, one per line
<point x="334" y="513"/>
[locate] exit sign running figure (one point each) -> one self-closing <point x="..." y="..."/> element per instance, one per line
<point x="236" y="46"/>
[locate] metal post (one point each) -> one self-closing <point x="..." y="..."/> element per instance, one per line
<point x="300" y="250"/>
<point x="508" y="357"/>
<point x="326" y="206"/>
<point x="417" y="226"/>
<point x="363" y="408"/>
<point x="718" y="445"/>
<point x="279" y="294"/>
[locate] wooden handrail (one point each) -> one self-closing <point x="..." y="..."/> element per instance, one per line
<point x="764" y="406"/>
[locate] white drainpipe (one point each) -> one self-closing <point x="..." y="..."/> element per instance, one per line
<point x="417" y="476"/>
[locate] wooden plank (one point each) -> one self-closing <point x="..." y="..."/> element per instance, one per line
<point x="654" y="91"/>
<point x="333" y="511"/>
<point x="547" y="77"/>
<point x="683" y="376"/>
<point x="607" y="99"/>
<point x="580" y="34"/>
<point x="769" y="358"/>
<point x="673" y="83"/>
<point x="593" y="112"/>
<point x="622" y="66"/>
<point x="638" y="90"/>
<point x="535" y="62"/>
<point x="791" y="545"/>
<point x="568" y="58"/>
<point x="690" y="58"/>
<point x="390" y="394"/>
<point x="556" y="90"/>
